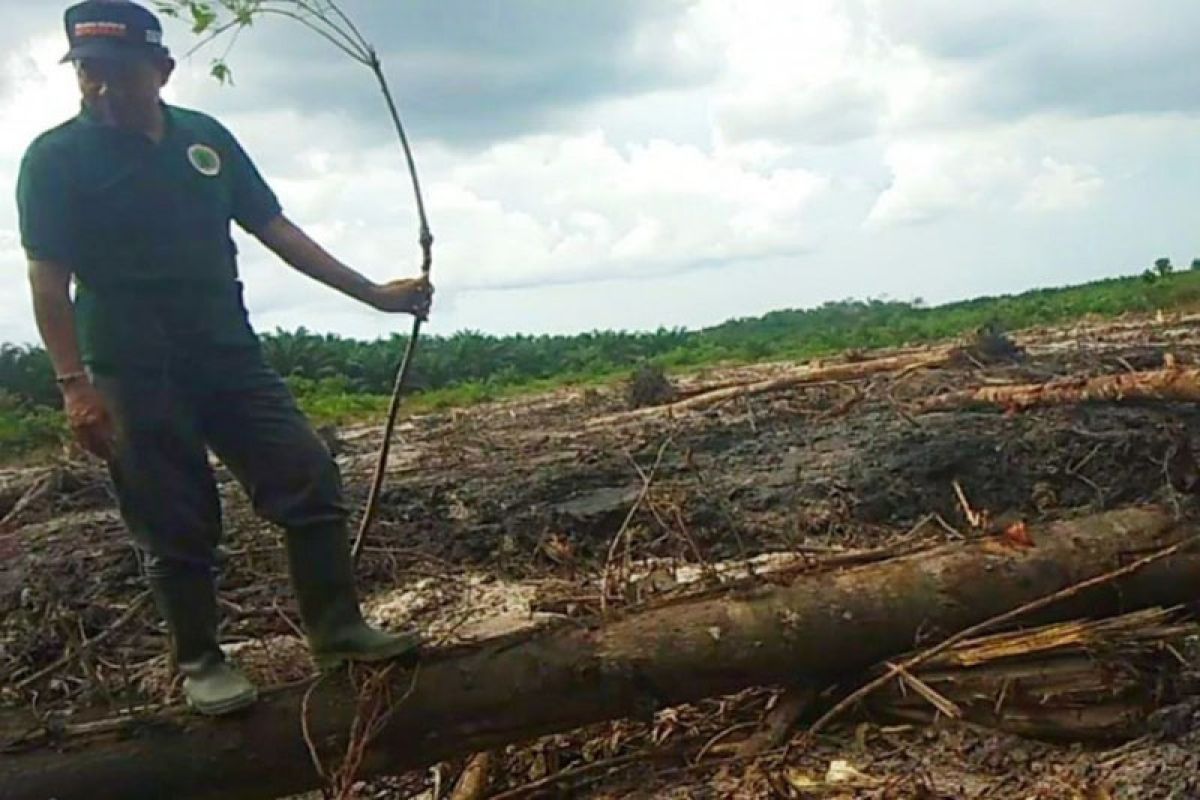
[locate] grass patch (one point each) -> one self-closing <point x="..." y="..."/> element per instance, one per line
<point x="27" y="429"/>
<point x="330" y="402"/>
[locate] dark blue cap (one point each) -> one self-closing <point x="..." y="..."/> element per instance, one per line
<point x="112" y="29"/>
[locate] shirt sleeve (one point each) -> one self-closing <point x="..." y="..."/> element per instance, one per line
<point x="44" y="205"/>
<point x="254" y="203"/>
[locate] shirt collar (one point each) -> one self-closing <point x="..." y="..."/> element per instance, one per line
<point x="88" y="117"/>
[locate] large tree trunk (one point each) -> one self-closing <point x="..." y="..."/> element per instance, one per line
<point x="819" y="628"/>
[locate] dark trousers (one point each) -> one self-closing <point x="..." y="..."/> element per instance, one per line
<point x="238" y="407"/>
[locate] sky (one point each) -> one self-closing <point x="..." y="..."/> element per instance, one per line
<point x="636" y="164"/>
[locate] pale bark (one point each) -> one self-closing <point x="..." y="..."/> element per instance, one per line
<point x="1174" y="384"/>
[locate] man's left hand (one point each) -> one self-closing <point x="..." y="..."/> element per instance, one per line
<point x="406" y="295"/>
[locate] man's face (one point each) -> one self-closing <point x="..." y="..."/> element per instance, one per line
<point x="122" y="93"/>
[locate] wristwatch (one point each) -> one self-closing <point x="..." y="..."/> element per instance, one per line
<point x="70" y="377"/>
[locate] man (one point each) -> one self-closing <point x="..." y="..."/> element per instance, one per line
<point x="132" y="200"/>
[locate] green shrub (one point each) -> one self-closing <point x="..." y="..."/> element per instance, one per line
<point x="26" y="428"/>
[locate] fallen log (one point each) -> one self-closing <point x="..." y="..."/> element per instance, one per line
<point x="818" y="628"/>
<point x="1171" y="384"/>
<point x="833" y="372"/>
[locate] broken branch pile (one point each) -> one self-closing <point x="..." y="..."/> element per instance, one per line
<point x="1083" y="680"/>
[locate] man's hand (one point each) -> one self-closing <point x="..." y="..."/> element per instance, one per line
<point x="89" y="419"/>
<point x="407" y="295"/>
<point x="87" y="416"/>
<point x="285" y="239"/>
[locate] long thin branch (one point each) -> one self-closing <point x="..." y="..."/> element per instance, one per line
<point x="351" y="42"/>
<point x="349" y="49"/>
<point x="320" y="12"/>
<point x="426" y="236"/>
<point x="375" y="492"/>
<point x="347" y="45"/>
<point x="216" y="33"/>
<point x="362" y="41"/>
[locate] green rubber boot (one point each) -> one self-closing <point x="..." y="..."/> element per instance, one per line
<point x="211" y="685"/>
<point x="323" y="578"/>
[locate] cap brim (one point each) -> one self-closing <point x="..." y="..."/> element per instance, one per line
<point x="108" y="49"/>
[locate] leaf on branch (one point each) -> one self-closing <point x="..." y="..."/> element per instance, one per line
<point x="221" y="71"/>
<point x="243" y="11"/>
<point x="203" y="16"/>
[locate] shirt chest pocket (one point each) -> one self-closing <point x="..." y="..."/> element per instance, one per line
<point x="202" y="190"/>
<point x="125" y="205"/>
<point x="153" y="201"/>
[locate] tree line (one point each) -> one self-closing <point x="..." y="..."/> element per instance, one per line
<point x="471" y="357"/>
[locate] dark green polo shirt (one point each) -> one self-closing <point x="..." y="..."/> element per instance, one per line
<point x="145" y="228"/>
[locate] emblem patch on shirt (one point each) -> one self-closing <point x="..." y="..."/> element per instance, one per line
<point x="205" y="160"/>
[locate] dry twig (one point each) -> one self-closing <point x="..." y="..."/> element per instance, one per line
<point x="572" y="774"/>
<point x="138" y="603"/>
<point x="974" y="518"/>
<point x="943" y="704"/>
<point x="623" y="532"/>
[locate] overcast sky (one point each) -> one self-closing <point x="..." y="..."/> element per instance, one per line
<point x="630" y="164"/>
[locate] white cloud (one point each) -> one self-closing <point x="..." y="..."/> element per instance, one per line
<point x="41" y="93"/>
<point x="38" y="94"/>
<point x="1001" y="169"/>
<point x="755" y="138"/>
<point x="797" y="72"/>
<point x="561" y="209"/>
<point x="939" y="175"/>
<point x="1061" y="187"/>
<point x="1001" y="62"/>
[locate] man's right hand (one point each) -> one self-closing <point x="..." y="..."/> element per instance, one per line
<point x="89" y="419"/>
